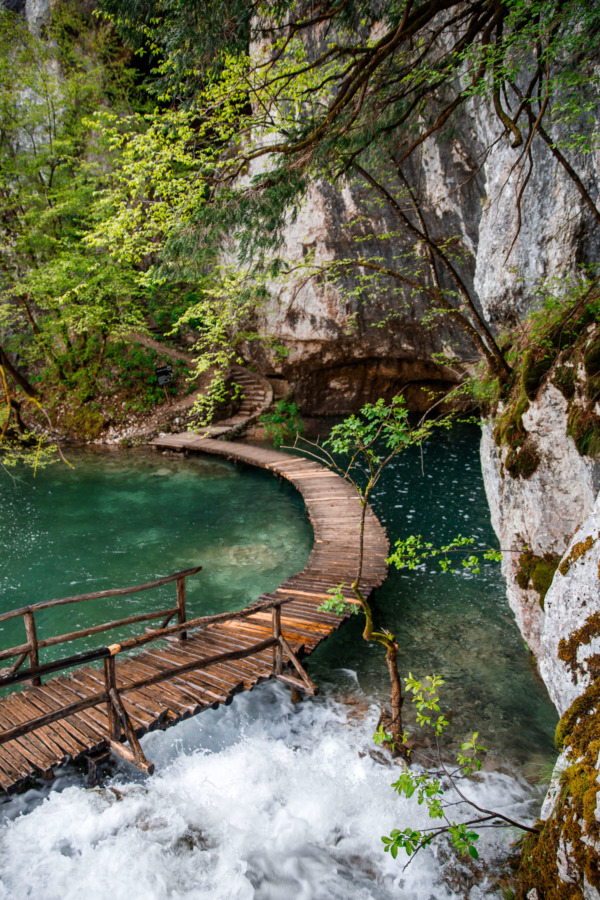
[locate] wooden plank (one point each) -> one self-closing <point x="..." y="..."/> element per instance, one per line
<point x="93" y="718"/>
<point x="169" y="690"/>
<point x="94" y="680"/>
<point x="216" y="686"/>
<point x="166" y="697"/>
<point x="29" y="748"/>
<point x="68" y="734"/>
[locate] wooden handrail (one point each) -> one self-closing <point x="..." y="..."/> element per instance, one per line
<point x="33" y="645"/>
<point x="86" y="632"/>
<point x="132" y="643"/>
<point x="112" y="695"/>
<point x="98" y="595"/>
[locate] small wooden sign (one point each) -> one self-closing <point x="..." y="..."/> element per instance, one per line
<point x="164" y="374"/>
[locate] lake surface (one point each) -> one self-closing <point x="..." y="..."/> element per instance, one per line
<point x="127" y="518"/>
<point x="265" y="799"/>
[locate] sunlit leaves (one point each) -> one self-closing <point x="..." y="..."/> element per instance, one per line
<point x="411" y="552"/>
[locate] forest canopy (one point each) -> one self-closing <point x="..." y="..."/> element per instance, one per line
<point x="152" y="156"/>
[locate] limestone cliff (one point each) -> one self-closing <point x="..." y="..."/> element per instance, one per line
<point x="542" y="512"/>
<point x="563" y="859"/>
<point x="468" y="178"/>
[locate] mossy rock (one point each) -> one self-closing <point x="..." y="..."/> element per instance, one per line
<point x="537" y="572"/>
<point x="573" y="822"/>
<point x="510" y="429"/>
<point x="521" y="462"/>
<point x="564" y="380"/>
<point x="85" y="422"/>
<point x="535" y="368"/>
<point x="583" y="425"/>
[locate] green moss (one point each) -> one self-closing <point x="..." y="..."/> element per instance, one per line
<point x="564" y="380"/>
<point x="573" y="820"/>
<point x="551" y="347"/>
<point x="85" y="422"/>
<point x="577" y="551"/>
<point x="510" y="429"/>
<point x="568" y="648"/>
<point x="536" y="366"/>
<point x="537" y="572"/>
<point x="521" y="462"/>
<point x="584" y="427"/>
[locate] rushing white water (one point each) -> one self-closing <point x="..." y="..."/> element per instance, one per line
<point x="262" y="800"/>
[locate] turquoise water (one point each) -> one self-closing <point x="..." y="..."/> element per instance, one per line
<point x="127" y="518"/>
<point x="266" y="799"/>
<point x="456" y="625"/>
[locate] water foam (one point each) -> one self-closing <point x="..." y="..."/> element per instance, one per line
<point x="262" y="800"/>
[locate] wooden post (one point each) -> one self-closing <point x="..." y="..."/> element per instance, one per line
<point x="181" y="607"/>
<point x="110" y="678"/>
<point x="34" y="659"/>
<point x="277" y="655"/>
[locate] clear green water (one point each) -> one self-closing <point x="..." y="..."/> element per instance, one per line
<point x="458" y="626"/>
<point x="126" y="518"/>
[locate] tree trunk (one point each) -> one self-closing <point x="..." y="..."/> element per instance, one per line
<point x="16" y="376"/>
<point x="396" y="698"/>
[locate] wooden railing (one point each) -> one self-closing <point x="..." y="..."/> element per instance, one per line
<point x="34" y="645"/>
<point x="120" y="725"/>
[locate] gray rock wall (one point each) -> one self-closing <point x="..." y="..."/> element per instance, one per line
<point x="540" y="513"/>
<point x="573" y="597"/>
<point x="468" y="180"/>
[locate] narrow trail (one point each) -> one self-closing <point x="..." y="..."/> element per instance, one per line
<point x="256" y="391"/>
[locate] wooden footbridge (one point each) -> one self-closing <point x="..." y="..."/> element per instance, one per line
<point x="183" y="668"/>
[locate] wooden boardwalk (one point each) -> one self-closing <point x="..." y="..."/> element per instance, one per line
<point x="206" y="667"/>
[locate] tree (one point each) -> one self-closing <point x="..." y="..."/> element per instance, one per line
<point x="360" y="449"/>
<point x="433" y="786"/>
<point x="61" y="302"/>
<point x="281" y="94"/>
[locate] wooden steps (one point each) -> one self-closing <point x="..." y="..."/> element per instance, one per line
<point x="257" y="396"/>
<point x="334" y="512"/>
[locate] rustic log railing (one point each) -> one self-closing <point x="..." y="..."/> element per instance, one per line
<point x="120" y="725"/>
<point x="34" y="645"/>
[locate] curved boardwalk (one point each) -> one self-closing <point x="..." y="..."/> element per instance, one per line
<point x="334" y="512"/>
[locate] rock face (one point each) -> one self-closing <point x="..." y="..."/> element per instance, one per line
<point x="338" y="352"/>
<point x="573" y="598"/>
<point x="542" y="512"/>
<point x="341" y="349"/>
<point x="37" y="12"/>
<point x="562" y="860"/>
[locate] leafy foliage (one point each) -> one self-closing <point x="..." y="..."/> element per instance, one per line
<point x="439" y="790"/>
<point x="414" y="550"/>
<point x="264" y="98"/>
<point x="284" y="423"/>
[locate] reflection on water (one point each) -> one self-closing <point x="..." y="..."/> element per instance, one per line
<point x="119" y="520"/>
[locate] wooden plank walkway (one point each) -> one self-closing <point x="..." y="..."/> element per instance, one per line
<point x="334" y="512"/>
